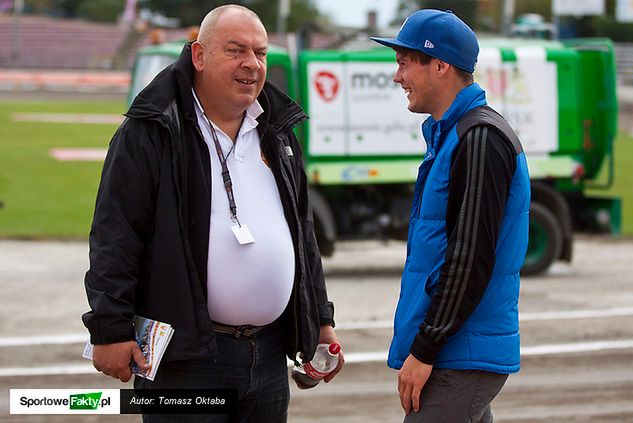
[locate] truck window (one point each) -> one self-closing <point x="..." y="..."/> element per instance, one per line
<point x="147" y="67"/>
<point x="277" y="75"/>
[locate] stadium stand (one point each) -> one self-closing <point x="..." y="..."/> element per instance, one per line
<point x="49" y="43"/>
<point x="42" y="42"/>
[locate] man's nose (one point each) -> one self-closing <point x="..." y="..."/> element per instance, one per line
<point x="251" y="61"/>
<point x="397" y="78"/>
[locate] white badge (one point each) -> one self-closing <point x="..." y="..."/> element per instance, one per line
<point x="243" y="234"/>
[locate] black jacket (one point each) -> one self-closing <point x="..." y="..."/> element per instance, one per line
<point x="150" y="235"/>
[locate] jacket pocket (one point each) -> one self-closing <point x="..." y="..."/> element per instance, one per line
<point x="410" y="311"/>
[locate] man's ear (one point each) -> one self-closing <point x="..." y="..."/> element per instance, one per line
<point x="197" y="56"/>
<point x="440" y="68"/>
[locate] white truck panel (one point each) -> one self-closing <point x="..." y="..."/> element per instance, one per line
<point x="357" y="110"/>
<point x="525" y="92"/>
<point x="366" y="114"/>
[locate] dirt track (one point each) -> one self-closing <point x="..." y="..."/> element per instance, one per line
<point x="585" y="308"/>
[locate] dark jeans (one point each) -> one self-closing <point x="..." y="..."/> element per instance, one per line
<point x="458" y="396"/>
<point x="254" y="366"/>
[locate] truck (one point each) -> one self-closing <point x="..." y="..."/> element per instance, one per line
<point x="362" y="147"/>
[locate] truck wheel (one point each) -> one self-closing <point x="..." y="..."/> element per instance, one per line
<point x="545" y="195"/>
<point x="326" y="247"/>
<point x="324" y="226"/>
<point x="545" y="240"/>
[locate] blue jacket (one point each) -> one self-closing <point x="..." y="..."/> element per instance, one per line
<point x="488" y="337"/>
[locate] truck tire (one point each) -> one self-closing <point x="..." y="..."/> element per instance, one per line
<point x="554" y="201"/>
<point x="545" y="240"/>
<point x="324" y="224"/>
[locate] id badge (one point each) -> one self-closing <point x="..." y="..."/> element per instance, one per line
<point x="243" y="234"/>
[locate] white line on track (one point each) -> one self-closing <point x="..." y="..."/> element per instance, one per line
<point x="535" y="350"/>
<point x="93" y="118"/>
<point x="374" y="324"/>
<point x="576" y="314"/>
<point x="360" y="357"/>
<point x="79" y="369"/>
<point x="24" y="341"/>
<point x="523" y="317"/>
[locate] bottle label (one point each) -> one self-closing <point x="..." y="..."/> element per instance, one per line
<point x="312" y="372"/>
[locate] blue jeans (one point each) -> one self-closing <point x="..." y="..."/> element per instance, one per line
<point x="254" y="366"/>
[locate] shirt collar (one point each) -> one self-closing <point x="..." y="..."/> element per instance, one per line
<point x="252" y="112"/>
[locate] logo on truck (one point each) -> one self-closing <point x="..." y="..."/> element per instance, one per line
<point x="327" y="85"/>
<point x="375" y="81"/>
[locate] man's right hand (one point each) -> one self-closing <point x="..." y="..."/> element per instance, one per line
<point x="114" y="359"/>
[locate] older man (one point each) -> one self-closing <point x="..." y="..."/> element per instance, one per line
<point x="203" y="221"/>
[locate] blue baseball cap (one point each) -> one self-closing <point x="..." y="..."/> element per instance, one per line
<point x="439" y="34"/>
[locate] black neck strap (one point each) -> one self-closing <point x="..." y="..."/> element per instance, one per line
<point x="226" y="176"/>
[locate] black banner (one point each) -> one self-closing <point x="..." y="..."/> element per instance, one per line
<point x="178" y="401"/>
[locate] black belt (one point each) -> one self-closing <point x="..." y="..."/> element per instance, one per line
<point x="244" y="331"/>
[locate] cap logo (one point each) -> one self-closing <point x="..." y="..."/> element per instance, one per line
<point x="428" y="44"/>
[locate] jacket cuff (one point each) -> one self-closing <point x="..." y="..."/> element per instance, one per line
<point x="326" y="314"/>
<point x="424" y="348"/>
<point x="112" y="339"/>
<point x="104" y="331"/>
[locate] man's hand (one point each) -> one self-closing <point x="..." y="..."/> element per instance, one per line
<point x="328" y="336"/>
<point x="114" y="359"/>
<point x="411" y="379"/>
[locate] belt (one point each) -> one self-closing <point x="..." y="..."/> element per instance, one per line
<point x="244" y="331"/>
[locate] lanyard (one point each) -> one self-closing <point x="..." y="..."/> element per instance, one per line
<point x="226" y="176"/>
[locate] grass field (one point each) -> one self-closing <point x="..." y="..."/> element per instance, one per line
<point x="623" y="182"/>
<point x="43" y="197"/>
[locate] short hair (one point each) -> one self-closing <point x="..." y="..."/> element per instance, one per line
<point x="466" y="77"/>
<point x="211" y="19"/>
<point x="415" y="55"/>
<point x="424" y="59"/>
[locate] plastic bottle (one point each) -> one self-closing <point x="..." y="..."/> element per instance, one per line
<point x="308" y="375"/>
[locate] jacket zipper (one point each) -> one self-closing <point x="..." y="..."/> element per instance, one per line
<point x="291" y="120"/>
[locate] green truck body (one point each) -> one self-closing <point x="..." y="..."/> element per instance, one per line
<point x="363" y="147"/>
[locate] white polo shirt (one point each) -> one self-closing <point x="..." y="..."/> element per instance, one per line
<point x="247" y="284"/>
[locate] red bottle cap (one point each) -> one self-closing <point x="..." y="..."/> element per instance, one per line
<point x="334" y="349"/>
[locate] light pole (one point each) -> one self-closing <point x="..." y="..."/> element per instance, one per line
<point x="284" y="12"/>
<point x="507" y="16"/>
<point x="18" y="7"/>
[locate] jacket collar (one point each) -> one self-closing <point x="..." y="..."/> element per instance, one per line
<point x="172" y="83"/>
<point x="435" y="131"/>
<point x="280" y="111"/>
<point x="175" y="82"/>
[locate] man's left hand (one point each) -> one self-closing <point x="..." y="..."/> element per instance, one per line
<point x="328" y="336"/>
<point x="411" y="379"/>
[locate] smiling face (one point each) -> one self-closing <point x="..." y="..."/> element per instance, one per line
<point x="230" y="63"/>
<point x="417" y="80"/>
